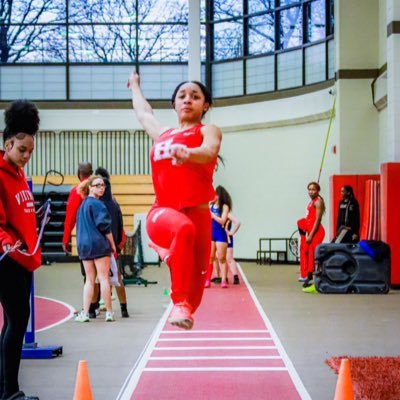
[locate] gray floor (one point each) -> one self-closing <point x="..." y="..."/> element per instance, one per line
<point x="310" y="327"/>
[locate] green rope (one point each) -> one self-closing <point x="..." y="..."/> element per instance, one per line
<point x="327" y="138"/>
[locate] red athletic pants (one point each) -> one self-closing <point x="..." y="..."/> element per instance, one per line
<point x="187" y="235"/>
<point x="307" y="251"/>
<point x="303" y="256"/>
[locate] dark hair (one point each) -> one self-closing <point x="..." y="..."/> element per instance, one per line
<point x="20" y="117"/>
<point x="316" y="184"/>
<point x="220" y="160"/>
<point x="223" y="198"/>
<point x="102" y="172"/>
<point x="203" y="88"/>
<point x="85" y="169"/>
<point x="349" y="190"/>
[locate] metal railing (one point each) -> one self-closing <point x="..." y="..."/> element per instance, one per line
<point x="121" y="152"/>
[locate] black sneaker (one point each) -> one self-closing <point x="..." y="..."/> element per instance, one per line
<point x="307" y="283"/>
<point x="217" y="279"/>
<point x="92" y="315"/>
<point x="21" y="396"/>
<point x="236" y="280"/>
<point x="124" y="314"/>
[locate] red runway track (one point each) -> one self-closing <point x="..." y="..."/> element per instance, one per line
<point x="48" y="312"/>
<point x="231" y="353"/>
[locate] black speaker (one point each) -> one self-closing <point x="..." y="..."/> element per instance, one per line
<point x="352" y="268"/>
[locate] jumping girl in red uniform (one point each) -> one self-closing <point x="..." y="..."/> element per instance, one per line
<point x="182" y="162"/>
<point x="20" y="254"/>
<point x="315" y="233"/>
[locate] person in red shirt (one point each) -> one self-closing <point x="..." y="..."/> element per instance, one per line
<point x="20" y="253"/>
<point x="182" y="162"/>
<point x="315" y="233"/>
<point x="74" y="201"/>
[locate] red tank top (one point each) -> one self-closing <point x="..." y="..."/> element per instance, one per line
<point x="180" y="186"/>
<point x="311" y="214"/>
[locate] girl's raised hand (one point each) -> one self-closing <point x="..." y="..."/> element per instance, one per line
<point x="134" y="80"/>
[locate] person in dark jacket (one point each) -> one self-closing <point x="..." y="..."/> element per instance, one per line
<point x="20" y="254"/>
<point x="117" y="229"/>
<point x="95" y="244"/>
<point x="348" y="220"/>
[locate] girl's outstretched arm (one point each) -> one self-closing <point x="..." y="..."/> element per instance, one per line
<point x="142" y="108"/>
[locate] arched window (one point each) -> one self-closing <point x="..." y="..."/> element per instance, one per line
<point x="84" y="49"/>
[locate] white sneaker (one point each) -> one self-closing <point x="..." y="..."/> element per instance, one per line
<point x="82" y="317"/>
<point x="109" y="316"/>
<point x="102" y="306"/>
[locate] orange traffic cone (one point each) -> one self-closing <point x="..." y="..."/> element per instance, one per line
<point x="82" y="386"/>
<point x="344" y="386"/>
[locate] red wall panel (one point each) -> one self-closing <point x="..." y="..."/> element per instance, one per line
<point x="390" y="215"/>
<point x="336" y="183"/>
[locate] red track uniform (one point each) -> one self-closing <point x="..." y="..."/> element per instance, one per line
<point x="309" y="248"/>
<point x="302" y="226"/>
<point x="180" y="218"/>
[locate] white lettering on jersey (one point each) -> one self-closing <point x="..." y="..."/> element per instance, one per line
<point x="162" y="151"/>
<point x="24" y="195"/>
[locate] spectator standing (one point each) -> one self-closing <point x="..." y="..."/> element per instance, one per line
<point x="348" y="219"/>
<point x="95" y="244"/>
<point x="315" y="232"/>
<point x="19" y="251"/>
<point x="117" y="230"/>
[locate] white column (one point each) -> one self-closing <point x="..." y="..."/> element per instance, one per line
<point x="392" y="143"/>
<point x="356" y="122"/>
<point x="194" y="72"/>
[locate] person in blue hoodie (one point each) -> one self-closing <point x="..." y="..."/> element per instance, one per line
<point x="95" y="244"/>
<point x="117" y="229"/>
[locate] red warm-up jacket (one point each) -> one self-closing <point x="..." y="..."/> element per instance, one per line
<point x="74" y="202"/>
<point x="17" y="215"/>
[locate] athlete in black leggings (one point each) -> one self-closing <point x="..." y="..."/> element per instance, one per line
<point x="19" y="253"/>
<point x="15" y="285"/>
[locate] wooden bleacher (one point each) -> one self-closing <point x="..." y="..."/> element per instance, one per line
<point x="134" y="193"/>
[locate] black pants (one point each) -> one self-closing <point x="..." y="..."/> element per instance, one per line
<point x="15" y="287"/>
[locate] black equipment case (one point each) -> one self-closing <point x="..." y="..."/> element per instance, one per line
<point x="347" y="268"/>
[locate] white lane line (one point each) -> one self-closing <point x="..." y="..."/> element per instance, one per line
<point x="214" y="331"/>
<point x="213" y="339"/>
<point x="217" y="358"/>
<point x="291" y="370"/>
<point x="194" y="369"/>
<point x="133" y="377"/>
<point x="168" y="348"/>
<point x="69" y="316"/>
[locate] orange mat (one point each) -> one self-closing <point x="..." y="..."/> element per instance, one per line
<point x="374" y="378"/>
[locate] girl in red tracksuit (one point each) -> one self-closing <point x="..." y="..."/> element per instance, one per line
<point x="18" y="238"/>
<point x="315" y="232"/>
<point x="182" y="161"/>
